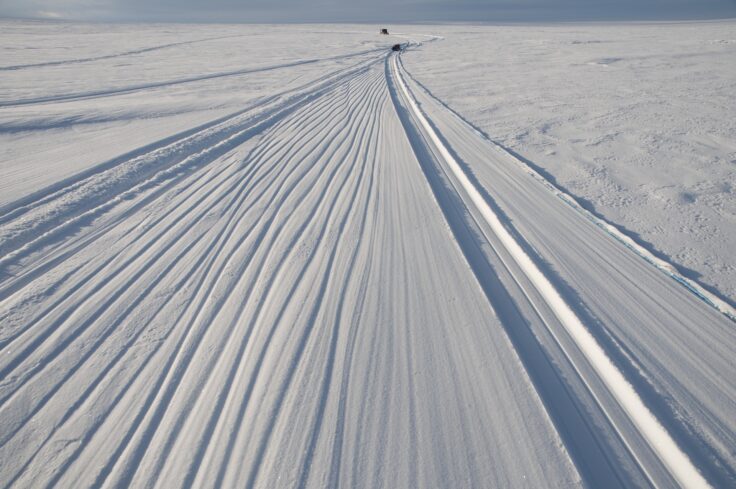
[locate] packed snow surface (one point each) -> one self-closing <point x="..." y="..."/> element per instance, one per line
<point x="285" y="256"/>
<point x="637" y="121"/>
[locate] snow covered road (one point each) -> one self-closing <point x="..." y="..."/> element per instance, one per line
<point x="341" y="284"/>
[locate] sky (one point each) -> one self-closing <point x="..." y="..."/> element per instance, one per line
<point x="367" y="10"/>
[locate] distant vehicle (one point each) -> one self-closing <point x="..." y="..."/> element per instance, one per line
<point x="396" y="47"/>
<point x="384" y="31"/>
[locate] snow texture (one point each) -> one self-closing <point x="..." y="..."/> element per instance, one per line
<point x="274" y="256"/>
<point x="638" y="121"/>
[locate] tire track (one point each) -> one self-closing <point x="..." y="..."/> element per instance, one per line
<point x="323" y="114"/>
<point x="169" y="83"/>
<point x="100" y="192"/>
<point x="226" y="389"/>
<point x="555" y="314"/>
<point x="115" y="55"/>
<point x="153" y="244"/>
<point x="256" y="273"/>
<point x="257" y="367"/>
<point x="284" y="309"/>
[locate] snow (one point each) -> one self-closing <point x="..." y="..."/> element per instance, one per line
<point x="42" y="144"/>
<point x="268" y="256"/>
<point x="678" y="463"/>
<point x="636" y="120"/>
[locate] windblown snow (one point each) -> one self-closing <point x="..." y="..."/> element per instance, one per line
<point x="286" y="256"/>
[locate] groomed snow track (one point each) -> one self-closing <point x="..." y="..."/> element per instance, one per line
<point x="513" y="282"/>
<point x="345" y="285"/>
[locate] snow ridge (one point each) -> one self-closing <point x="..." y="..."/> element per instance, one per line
<point x="676" y="460"/>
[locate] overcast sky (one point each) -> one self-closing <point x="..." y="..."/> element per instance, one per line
<point x="367" y="11"/>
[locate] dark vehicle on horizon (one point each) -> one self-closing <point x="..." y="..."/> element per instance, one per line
<point x="396" y="47"/>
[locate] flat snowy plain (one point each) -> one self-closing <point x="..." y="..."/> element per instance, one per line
<point x="283" y="256"/>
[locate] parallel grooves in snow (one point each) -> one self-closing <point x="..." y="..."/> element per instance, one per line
<point x="32" y="226"/>
<point x="148" y="86"/>
<point x="130" y="280"/>
<point x="274" y="299"/>
<point x="658" y="438"/>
